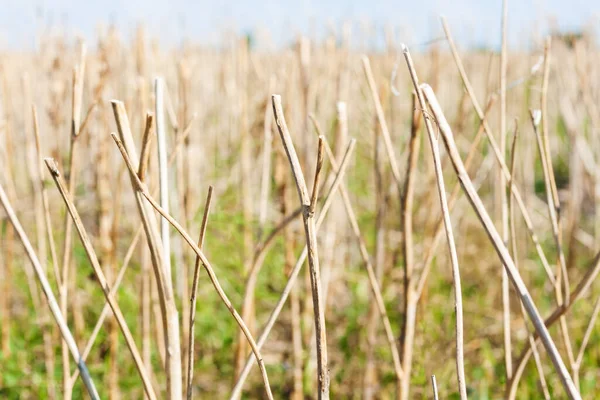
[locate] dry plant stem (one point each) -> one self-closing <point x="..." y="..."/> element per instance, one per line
<point x="190" y="364"/>
<point x="460" y="367"/>
<point x="163" y="172"/>
<point x="169" y="313"/>
<point x="77" y="93"/>
<point x="499" y="246"/>
<point x="54" y="308"/>
<point x="237" y="390"/>
<point x="282" y="187"/>
<point x="375" y="286"/>
<point x="308" y="215"/>
<point x="410" y="297"/>
<point x="585" y="340"/>
<point x="145" y="152"/>
<point x="434" y="387"/>
<point x="389" y="147"/>
<point x="504" y="197"/>
<point x="513" y="244"/>
<point x="87" y="244"/>
<point x="141" y="188"/>
<point x="499" y="156"/>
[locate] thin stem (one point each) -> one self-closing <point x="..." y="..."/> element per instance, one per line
<point x="190" y="365"/>
<point x="410" y="295"/>
<point x="145" y="152"/>
<point x="504" y="196"/>
<point x="460" y="367"/>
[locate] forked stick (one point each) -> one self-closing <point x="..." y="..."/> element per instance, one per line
<point x="143" y="190"/>
<point x="235" y="394"/>
<point x="308" y="204"/>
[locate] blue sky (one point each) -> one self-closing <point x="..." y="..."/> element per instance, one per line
<point x="473" y="22"/>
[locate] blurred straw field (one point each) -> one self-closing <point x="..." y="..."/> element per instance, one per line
<point x="215" y="114"/>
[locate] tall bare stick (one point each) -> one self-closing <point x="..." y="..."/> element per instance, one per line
<point x="411" y="296"/>
<point x="77" y="90"/>
<point x="460" y="367"/>
<point x="504" y="197"/>
<point x="190" y="365"/>
<point x="499" y="246"/>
